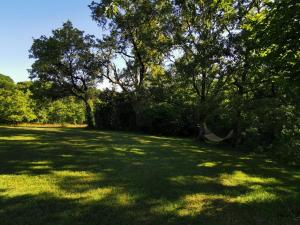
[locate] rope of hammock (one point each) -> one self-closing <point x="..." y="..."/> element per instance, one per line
<point x="213" y="137"/>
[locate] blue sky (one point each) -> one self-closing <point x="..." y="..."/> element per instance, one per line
<point x="22" y="20"/>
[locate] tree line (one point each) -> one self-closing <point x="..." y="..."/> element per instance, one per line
<point x="177" y="67"/>
<point x="32" y="101"/>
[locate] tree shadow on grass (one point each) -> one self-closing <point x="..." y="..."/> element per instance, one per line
<point x="122" y="178"/>
<point x="47" y="210"/>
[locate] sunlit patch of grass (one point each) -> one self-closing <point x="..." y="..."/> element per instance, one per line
<point x="165" y="207"/>
<point x="66" y="156"/>
<point x="66" y="184"/>
<point x="195" y="203"/>
<point x="18" y="138"/>
<point x="207" y="164"/>
<point x="120" y="149"/>
<point x="18" y="185"/>
<point x="30" y="129"/>
<point x="142" y="140"/>
<point x="241" y="178"/>
<point x="296" y="176"/>
<point x="191" y="179"/>
<point x="40" y="165"/>
<point x="137" y="151"/>
<point x="257" y="195"/>
<point x="197" y="151"/>
<point x="166" y="145"/>
<point x="125" y="199"/>
<point x="55" y="125"/>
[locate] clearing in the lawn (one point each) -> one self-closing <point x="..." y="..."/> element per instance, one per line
<point x="56" y="176"/>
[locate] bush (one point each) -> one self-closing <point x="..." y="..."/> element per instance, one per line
<point x="16" y="106"/>
<point x="65" y="110"/>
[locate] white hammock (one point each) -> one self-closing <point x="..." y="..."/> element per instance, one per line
<point x="210" y="136"/>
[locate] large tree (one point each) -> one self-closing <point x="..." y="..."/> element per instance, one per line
<point x="267" y="75"/>
<point x="137" y="42"/>
<point x="69" y="60"/>
<point x="204" y="35"/>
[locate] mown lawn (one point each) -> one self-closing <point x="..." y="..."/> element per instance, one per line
<point x="55" y="176"/>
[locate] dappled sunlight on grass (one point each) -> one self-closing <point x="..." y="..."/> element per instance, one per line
<point x="183" y="180"/>
<point x="66" y="156"/>
<point x="137" y="151"/>
<point x="40" y="165"/>
<point x="164" y="206"/>
<point x="86" y="176"/>
<point x="195" y="203"/>
<point x="207" y="164"/>
<point x="18" y="185"/>
<point x="18" y="138"/>
<point x="241" y="178"/>
<point x="142" y="140"/>
<point x="64" y="184"/>
<point x="258" y="194"/>
<point x="58" y="125"/>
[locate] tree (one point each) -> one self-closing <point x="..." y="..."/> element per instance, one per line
<point x="203" y="35"/>
<point x="277" y="49"/>
<point x="137" y="39"/>
<point x="16" y="106"/>
<point x="69" y="60"/>
<point x="64" y="110"/>
<point x="271" y="36"/>
<point x="6" y="82"/>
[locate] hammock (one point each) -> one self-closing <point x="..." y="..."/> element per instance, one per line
<point x="210" y="136"/>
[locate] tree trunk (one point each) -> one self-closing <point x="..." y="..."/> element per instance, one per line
<point x="203" y="108"/>
<point x="137" y="107"/>
<point x="202" y="116"/>
<point x="90" y="120"/>
<point x="238" y="124"/>
<point x="201" y="131"/>
<point x="238" y="130"/>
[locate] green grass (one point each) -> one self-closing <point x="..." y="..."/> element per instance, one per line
<point x="56" y="176"/>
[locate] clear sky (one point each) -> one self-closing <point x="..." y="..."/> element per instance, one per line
<point x="22" y="20"/>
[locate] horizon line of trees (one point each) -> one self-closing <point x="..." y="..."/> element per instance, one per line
<point x="176" y="66"/>
<point x="34" y="102"/>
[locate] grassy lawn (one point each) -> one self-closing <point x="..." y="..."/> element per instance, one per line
<point x="55" y="176"/>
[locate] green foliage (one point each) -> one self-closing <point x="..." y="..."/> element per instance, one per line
<point x="115" y="111"/>
<point x="24" y="86"/>
<point x="19" y="104"/>
<point x="287" y="146"/>
<point x="161" y="118"/>
<point x="175" y="65"/>
<point x="16" y="106"/>
<point x="6" y="82"/>
<point x="169" y="110"/>
<point x="68" y="60"/>
<point x="65" y="110"/>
